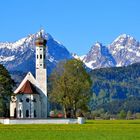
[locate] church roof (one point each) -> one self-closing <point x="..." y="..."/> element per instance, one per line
<point x="27" y="88"/>
<point x="28" y="85"/>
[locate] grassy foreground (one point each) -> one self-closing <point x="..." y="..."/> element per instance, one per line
<point x="92" y="130"/>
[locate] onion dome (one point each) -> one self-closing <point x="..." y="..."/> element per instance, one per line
<point x="40" y="41"/>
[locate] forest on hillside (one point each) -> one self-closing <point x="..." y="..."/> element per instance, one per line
<point x="116" y="89"/>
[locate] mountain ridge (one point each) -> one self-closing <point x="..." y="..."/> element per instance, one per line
<point x="22" y="52"/>
<point x="123" y="51"/>
<point x="20" y="55"/>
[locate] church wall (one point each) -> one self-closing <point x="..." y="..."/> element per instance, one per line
<point x="28" y="106"/>
<point x="44" y="107"/>
<point x="12" y="109"/>
<point x="37" y="106"/>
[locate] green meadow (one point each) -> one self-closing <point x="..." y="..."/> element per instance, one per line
<point x="91" y="130"/>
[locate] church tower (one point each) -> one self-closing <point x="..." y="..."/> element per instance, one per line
<point x="41" y="72"/>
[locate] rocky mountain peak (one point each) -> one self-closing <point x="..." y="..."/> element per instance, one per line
<point x="123" y="51"/>
<point x="20" y="55"/>
<point x="98" y="57"/>
<point x="124" y="40"/>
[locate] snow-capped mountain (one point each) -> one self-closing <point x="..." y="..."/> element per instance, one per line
<point x="99" y="56"/>
<point x="74" y="55"/>
<point x="20" y="55"/>
<point x="123" y="51"/>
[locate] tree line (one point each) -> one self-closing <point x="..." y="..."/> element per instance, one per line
<point x="74" y="91"/>
<point x="116" y="89"/>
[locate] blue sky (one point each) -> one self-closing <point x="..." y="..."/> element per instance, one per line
<point x="78" y="24"/>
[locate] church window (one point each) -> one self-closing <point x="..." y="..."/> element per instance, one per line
<point x="37" y="56"/>
<point x="34" y="100"/>
<point x="21" y="100"/>
<point x="15" y="113"/>
<point x="34" y="113"/>
<point x="27" y="113"/>
<point x="20" y="113"/>
<point x="40" y="56"/>
<point x="27" y="100"/>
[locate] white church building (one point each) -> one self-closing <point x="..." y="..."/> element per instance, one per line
<point x="30" y="98"/>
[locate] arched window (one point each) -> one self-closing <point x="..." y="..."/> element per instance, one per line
<point x="20" y="113"/>
<point x="21" y="100"/>
<point x="27" y="113"/>
<point x="27" y="100"/>
<point x="34" y="113"/>
<point x="34" y="100"/>
<point x="37" y="56"/>
<point x="40" y="56"/>
<point x="15" y="113"/>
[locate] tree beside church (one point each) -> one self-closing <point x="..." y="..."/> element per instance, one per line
<point x="70" y="87"/>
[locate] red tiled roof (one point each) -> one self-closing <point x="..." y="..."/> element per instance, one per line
<point x="27" y="88"/>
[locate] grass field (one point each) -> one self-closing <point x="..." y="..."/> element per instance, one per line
<point x="92" y="130"/>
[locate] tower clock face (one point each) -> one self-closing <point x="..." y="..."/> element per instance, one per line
<point x="13" y="98"/>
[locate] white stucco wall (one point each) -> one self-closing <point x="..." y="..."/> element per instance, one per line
<point x="22" y="105"/>
<point x="39" y="121"/>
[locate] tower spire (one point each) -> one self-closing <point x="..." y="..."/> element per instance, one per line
<point x="41" y="34"/>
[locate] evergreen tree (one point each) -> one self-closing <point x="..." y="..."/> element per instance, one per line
<point x="122" y="114"/>
<point x="101" y="97"/>
<point x="6" y="84"/>
<point x="129" y="114"/>
<point x="117" y="84"/>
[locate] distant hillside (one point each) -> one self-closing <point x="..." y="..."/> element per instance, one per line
<point x="112" y="85"/>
